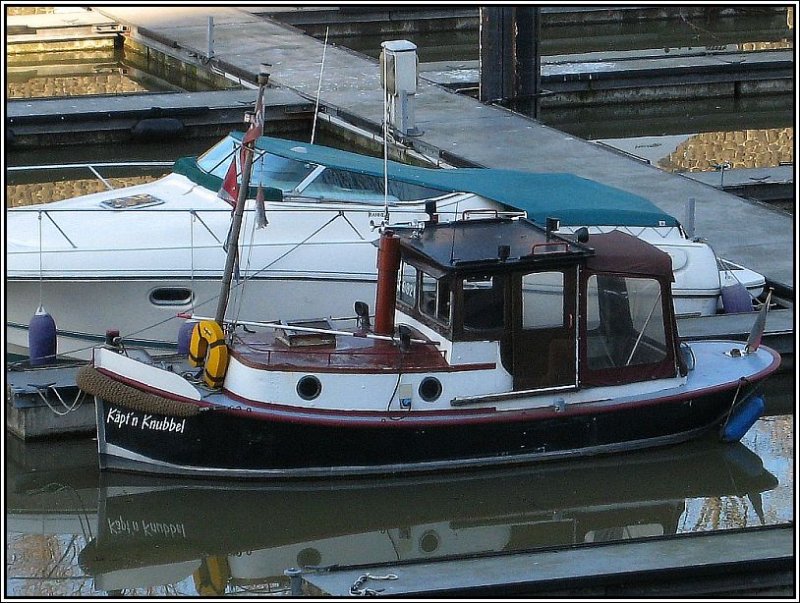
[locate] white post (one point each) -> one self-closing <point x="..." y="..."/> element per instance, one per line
<point x="688" y="223"/>
<point x="210" y="39"/>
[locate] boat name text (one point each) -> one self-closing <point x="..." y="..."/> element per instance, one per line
<point x="131" y="527"/>
<point x="134" y="419"/>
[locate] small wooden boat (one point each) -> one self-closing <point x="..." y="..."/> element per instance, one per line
<point x="495" y="341"/>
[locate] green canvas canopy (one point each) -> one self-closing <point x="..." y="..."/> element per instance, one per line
<point x="575" y="201"/>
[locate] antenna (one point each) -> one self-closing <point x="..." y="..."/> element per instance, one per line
<point x="41" y="268"/>
<point x="453" y="238"/>
<point x="319" y="86"/>
<point x="385" y="144"/>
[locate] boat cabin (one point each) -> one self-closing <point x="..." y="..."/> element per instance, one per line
<point x="564" y="313"/>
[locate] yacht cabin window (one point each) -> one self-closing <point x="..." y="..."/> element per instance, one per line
<point x="279" y="172"/>
<point x="345" y="185"/>
<point x="268" y="170"/>
<point x="624" y="322"/>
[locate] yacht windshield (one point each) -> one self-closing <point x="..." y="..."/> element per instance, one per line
<point x="345" y="185"/>
<point x="268" y="170"/>
<point x="313" y="181"/>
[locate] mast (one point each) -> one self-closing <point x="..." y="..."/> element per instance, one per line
<point x="248" y="144"/>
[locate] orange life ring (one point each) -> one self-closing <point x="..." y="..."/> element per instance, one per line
<point x="207" y="347"/>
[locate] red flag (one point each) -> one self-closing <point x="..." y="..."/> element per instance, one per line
<point x="230" y="186"/>
<point x="256" y="128"/>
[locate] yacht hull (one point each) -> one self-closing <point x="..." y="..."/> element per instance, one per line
<point x="133" y="307"/>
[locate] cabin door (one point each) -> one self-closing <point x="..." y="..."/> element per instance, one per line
<point x="544" y="340"/>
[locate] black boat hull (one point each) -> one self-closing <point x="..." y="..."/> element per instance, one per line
<point x="225" y="444"/>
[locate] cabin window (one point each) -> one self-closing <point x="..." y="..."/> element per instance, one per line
<point x="625" y="323"/>
<point x="435" y="298"/>
<point x="543" y="300"/>
<point x="412" y="192"/>
<point x="407" y="284"/>
<point x="341" y="185"/>
<point x="484" y="302"/>
<point x="217" y="159"/>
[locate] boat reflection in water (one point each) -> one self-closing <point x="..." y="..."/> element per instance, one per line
<point x="235" y="535"/>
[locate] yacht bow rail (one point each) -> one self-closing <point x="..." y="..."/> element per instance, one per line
<point x="92" y="167"/>
<point x="103" y="164"/>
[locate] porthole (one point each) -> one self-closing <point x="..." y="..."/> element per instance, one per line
<point x="171" y="296"/>
<point x="309" y="556"/>
<point x="429" y="542"/>
<point x="309" y="387"/>
<point x="430" y="389"/>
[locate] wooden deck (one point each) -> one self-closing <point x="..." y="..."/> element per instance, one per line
<point x="335" y="353"/>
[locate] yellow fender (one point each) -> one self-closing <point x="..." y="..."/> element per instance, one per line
<point x="211" y="578"/>
<point x="207" y="346"/>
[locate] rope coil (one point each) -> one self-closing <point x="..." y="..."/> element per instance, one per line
<point x="93" y="382"/>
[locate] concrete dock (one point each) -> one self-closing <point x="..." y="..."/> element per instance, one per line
<point x="43" y="402"/>
<point x="745" y="232"/>
<point x="91" y="119"/>
<point x="774" y="184"/>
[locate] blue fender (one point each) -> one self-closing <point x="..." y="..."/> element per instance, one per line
<point x="743" y="418"/>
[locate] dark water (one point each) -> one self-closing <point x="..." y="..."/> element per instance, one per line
<point x="107" y="70"/>
<point x="745" y="30"/>
<point x="71" y="531"/>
